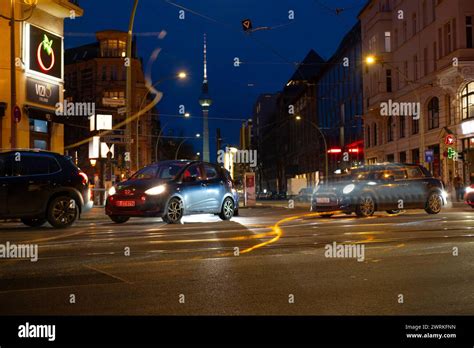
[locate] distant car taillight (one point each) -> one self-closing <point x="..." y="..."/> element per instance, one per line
<point x="84" y="177"/>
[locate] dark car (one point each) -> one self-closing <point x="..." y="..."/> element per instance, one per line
<point x="304" y="195"/>
<point x="391" y="187"/>
<point x="40" y="186"/>
<point x="172" y="189"/>
<point x="469" y="196"/>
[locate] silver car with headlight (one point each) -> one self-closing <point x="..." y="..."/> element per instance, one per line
<point x="172" y="189"/>
<point x="387" y="187"/>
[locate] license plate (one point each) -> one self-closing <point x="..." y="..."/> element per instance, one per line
<point x="125" y="203"/>
<point x="322" y="200"/>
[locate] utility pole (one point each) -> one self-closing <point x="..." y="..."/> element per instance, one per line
<point x="128" y="94"/>
<point x="13" y="76"/>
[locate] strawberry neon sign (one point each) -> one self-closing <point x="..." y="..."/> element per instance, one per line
<point x="47" y="46"/>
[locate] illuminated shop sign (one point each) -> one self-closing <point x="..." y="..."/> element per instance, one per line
<point x="44" y="52"/>
<point x="42" y="92"/>
<point x="467" y="127"/>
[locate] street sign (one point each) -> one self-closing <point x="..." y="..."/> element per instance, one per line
<point x="17" y="114"/>
<point x="122" y="110"/>
<point x="247" y="24"/>
<point x="115" y="139"/>
<point x="429" y="156"/>
<point x="449" y="139"/>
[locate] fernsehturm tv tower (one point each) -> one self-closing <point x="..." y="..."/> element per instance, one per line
<point x="205" y="101"/>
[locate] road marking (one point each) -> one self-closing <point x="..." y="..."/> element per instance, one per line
<point x="108" y="274"/>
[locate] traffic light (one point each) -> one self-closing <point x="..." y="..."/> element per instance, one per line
<point x="247" y="25"/>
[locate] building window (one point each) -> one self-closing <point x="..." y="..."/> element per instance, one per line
<point x="391" y="158"/>
<point x="112" y="48"/>
<point x="424" y="17"/>
<point x="405" y="31"/>
<point x="425" y="61"/>
<point x="433" y="113"/>
<point x="374" y="138"/>
<point x="389" y="80"/>
<point x="388" y="43"/>
<point x="390" y="129"/>
<point x="368" y="136"/>
<point x="469" y="41"/>
<point x="415" y="126"/>
<point x="467" y="101"/>
<point x="447" y="38"/>
<point x="414" y="24"/>
<point x="402" y="127"/>
<point x="415" y="67"/>
<point x="415" y="156"/>
<point x="440" y="42"/>
<point x="402" y="157"/>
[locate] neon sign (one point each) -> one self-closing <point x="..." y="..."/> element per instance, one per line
<point x="44" y="53"/>
<point x="47" y="45"/>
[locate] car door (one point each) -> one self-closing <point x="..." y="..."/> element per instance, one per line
<point x="29" y="191"/>
<point x="417" y="186"/>
<point x="194" y="189"/>
<point x="5" y="173"/>
<point x="216" y="187"/>
<point x="385" y="188"/>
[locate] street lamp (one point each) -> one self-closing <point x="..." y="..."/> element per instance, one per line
<point x="299" y="118"/>
<point x="370" y="60"/>
<point x="93" y="162"/>
<point x="182" y="75"/>
<point x="187" y="115"/>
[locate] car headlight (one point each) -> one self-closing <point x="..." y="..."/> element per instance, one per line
<point x="155" y="190"/>
<point x="348" y="189"/>
<point x="444" y="194"/>
<point x="112" y="191"/>
<point x="469" y="189"/>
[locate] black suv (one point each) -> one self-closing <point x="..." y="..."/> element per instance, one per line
<point x="40" y="186"/>
<point x="391" y="187"/>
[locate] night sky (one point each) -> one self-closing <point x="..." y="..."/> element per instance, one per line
<point x="268" y="56"/>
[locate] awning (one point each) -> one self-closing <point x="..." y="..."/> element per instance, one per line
<point x="44" y="114"/>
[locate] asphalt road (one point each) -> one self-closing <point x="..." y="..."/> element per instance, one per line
<point x="266" y="261"/>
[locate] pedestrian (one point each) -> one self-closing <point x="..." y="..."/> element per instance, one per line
<point x="459" y="187"/>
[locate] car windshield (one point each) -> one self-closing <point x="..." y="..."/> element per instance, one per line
<point x="163" y="171"/>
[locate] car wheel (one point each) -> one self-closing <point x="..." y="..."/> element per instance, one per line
<point x="434" y="203"/>
<point x="227" y="210"/>
<point x="119" y="219"/>
<point x="174" y="211"/>
<point x="34" y="222"/>
<point x="391" y="212"/>
<point x="62" y="212"/>
<point x="326" y="215"/>
<point x="366" y="206"/>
